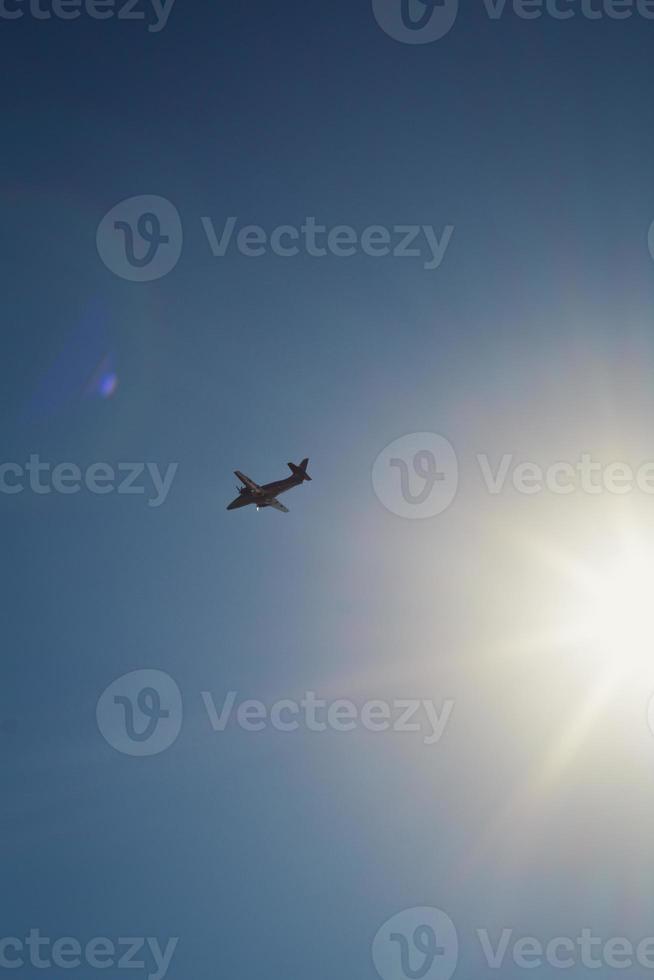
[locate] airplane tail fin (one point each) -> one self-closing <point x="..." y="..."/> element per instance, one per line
<point x="301" y="470"/>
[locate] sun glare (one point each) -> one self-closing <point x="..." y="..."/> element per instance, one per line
<point x="596" y="602"/>
<point x="619" y="615"/>
<point x="583" y="628"/>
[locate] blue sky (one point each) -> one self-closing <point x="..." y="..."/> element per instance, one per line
<point x="281" y="854"/>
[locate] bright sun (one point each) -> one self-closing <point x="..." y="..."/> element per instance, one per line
<point x="619" y="614"/>
<point x="584" y="597"/>
<point x="575" y="604"/>
<point x="604" y="606"/>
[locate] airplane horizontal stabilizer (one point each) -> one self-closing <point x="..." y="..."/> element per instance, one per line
<point x="301" y="470"/>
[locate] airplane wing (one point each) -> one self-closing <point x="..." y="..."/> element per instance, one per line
<point x="254" y="487"/>
<point x="241" y="501"/>
<point x="276" y="504"/>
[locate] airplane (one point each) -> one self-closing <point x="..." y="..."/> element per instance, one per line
<point x="265" y="495"/>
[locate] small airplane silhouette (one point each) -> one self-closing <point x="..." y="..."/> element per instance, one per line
<point x="265" y="495"/>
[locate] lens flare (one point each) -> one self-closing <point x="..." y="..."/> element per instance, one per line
<point x="108" y="384"/>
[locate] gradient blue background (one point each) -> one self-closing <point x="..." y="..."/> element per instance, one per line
<point x="280" y="855"/>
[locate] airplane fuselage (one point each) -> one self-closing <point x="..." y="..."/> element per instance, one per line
<point x="268" y="492"/>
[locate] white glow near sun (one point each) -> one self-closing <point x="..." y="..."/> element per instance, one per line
<point x="578" y="618"/>
<point x="619" y="614"/>
<point x="596" y="602"/>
